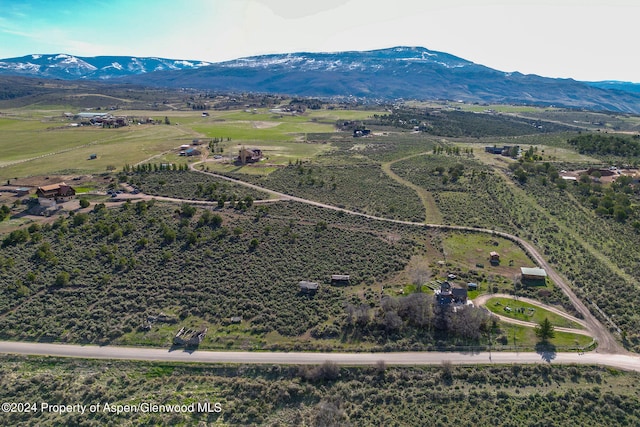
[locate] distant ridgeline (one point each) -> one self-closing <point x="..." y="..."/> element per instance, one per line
<point x="607" y="145"/>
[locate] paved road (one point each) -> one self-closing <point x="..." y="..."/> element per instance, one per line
<point x="606" y="342"/>
<point x="626" y="362"/>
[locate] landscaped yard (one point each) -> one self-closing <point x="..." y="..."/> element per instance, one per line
<point x="516" y="309"/>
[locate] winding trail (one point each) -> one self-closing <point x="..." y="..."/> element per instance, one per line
<point x="431" y="211"/>
<point x="606" y="342"/>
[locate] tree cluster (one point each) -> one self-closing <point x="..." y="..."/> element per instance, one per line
<point x="607" y="145"/>
<point x="419" y="311"/>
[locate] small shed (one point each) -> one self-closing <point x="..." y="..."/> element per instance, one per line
<point x="308" y="287"/>
<point x="533" y="274"/>
<point x="340" y="279"/>
<point x="494" y="258"/>
<point x="22" y="191"/>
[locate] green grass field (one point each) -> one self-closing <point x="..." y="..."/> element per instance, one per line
<point x="470" y="249"/>
<point x="521" y="310"/>
<point x="525" y="338"/>
<point x="40" y="141"/>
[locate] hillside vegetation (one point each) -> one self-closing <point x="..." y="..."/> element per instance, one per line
<point x="237" y="259"/>
<point x="323" y="395"/>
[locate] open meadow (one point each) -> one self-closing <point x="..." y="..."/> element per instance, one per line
<point x="42" y="142"/>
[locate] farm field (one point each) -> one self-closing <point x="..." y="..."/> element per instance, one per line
<point x="237" y="265"/>
<point x="49" y="146"/>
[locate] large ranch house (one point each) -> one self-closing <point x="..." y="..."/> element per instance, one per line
<point x="49" y="195"/>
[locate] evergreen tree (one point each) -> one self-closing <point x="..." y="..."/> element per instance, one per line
<point x="545" y="330"/>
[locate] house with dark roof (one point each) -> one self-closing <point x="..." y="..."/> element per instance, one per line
<point x="447" y="294"/>
<point x="189" y="152"/>
<point x="459" y="295"/>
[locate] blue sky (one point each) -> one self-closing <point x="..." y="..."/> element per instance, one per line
<point x="581" y="39"/>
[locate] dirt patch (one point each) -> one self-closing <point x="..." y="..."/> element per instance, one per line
<point x="265" y="125"/>
<point x="40" y="180"/>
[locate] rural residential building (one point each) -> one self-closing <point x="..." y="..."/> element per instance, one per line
<point x="49" y="195"/>
<point x="459" y="295"/>
<point x="447" y="294"/>
<point x="249" y="155"/>
<point x="22" y="191"/>
<point x="493" y="150"/>
<point x="191" y="152"/>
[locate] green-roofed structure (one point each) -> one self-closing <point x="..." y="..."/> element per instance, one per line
<point x="533" y="273"/>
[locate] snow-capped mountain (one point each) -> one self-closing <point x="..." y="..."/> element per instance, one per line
<point x="353" y="60"/>
<point x="69" y="67"/>
<point x="384" y="74"/>
<point x="399" y="72"/>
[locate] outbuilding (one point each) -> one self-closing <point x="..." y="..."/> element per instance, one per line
<point x="308" y="287"/>
<point x="533" y="273"/>
<point x="340" y="279"/>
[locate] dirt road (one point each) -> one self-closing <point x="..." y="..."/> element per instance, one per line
<point x="626" y="362"/>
